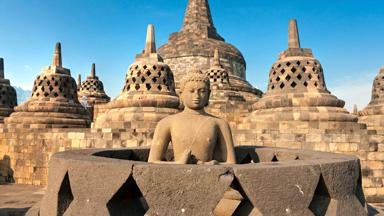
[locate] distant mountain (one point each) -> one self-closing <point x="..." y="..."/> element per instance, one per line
<point x="22" y="94"/>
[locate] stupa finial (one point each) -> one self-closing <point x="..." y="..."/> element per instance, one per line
<point x="293" y="34"/>
<point x="216" y="58"/>
<point x="1" y="68"/>
<point x="355" y="109"/>
<point x="79" y="79"/>
<point x="93" y="70"/>
<point x="57" y="61"/>
<point x="150" y="44"/>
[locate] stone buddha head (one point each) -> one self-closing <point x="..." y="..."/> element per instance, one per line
<point x="195" y="90"/>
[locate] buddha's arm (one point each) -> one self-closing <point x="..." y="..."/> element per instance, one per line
<point x="160" y="142"/>
<point x="226" y="143"/>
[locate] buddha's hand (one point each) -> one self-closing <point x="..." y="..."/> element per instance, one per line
<point x="184" y="159"/>
<point x="212" y="162"/>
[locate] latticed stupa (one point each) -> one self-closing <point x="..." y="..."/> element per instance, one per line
<point x="8" y="98"/>
<point x="147" y="97"/>
<point x="225" y="102"/>
<point x="54" y="102"/>
<point x="373" y="114"/>
<point x="297" y="110"/>
<point x="195" y="45"/>
<point x="93" y="89"/>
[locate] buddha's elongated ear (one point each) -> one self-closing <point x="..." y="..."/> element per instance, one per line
<point x="209" y="95"/>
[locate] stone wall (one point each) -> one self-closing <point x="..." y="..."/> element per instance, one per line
<point x="181" y="65"/>
<point x="29" y="150"/>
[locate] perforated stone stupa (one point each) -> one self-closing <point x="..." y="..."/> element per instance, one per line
<point x="54" y="102"/>
<point x="93" y="89"/>
<point x="373" y="114"/>
<point x="147" y="97"/>
<point x="195" y="45"/>
<point x="225" y="101"/>
<point x="298" y="111"/>
<point x="8" y="98"/>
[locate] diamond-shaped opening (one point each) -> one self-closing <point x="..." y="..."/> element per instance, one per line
<point x="282" y="71"/>
<point x="288" y="78"/>
<point x="137" y="86"/>
<point x="293" y="84"/>
<point x="148" y="73"/>
<point x="321" y="199"/>
<point x="309" y="76"/>
<point x="128" y="200"/>
<point x="299" y="77"/>
<point x="159" y="87"/>
<point x="274" y="73"/>
<point x="273" y="87"/>
<point x="278" y="79"/>
<point x="282" y="85"/>
<point x="316" y="84"/>
<point x="65" y="196"/>
<point x="133" y="79"/>
<point x="145" y="66"/>
<point x="288" y="64"/>
<point x="148" y="86"/>
<point x="304" y="69"/>
<point x="305" y="84"/>
<point x="278" y="65"/>
<point x="298" y="62"/>
<point x="142" y="79"/>
<point x="235" y="202"/>
<point x="154" y="67"/>
<point x="293" y="70"/>
<point x="275" y="159"/>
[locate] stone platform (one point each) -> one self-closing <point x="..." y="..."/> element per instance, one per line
<point x="16" y="199"/>
<point x="269" y="181"/>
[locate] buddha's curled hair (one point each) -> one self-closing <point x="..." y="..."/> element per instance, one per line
<point x="194" y="75"/>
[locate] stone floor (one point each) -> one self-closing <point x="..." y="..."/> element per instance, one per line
<point x="15" y="200"/>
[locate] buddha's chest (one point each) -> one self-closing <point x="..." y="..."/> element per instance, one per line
<point x="201" y="137"/>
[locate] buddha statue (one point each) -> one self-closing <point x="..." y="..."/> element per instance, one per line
<point x="196" y="136"/>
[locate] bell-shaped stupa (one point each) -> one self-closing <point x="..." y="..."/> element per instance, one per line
<point x="148" y="95"/>
<point x="54" y="102"/>
<point x="8" y="99"/>
<point x="93" y="89"/>
<point x="220" y="82"/>
<point x="195" y="45"/>
<point x="297" y="110"/>
<point x="225" y="101"/>
<point x="373" y="114"/>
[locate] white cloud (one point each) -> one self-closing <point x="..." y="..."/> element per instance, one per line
<point x="27" y="68"/>
<point x="355" y="90"/>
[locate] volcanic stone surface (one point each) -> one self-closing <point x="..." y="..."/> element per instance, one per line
<point x="269" y="181"/>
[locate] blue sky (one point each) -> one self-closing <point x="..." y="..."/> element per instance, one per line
<point x="345" y="35"/>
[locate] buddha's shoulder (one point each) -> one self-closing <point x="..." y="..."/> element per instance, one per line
<point x="171" y="118"/>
